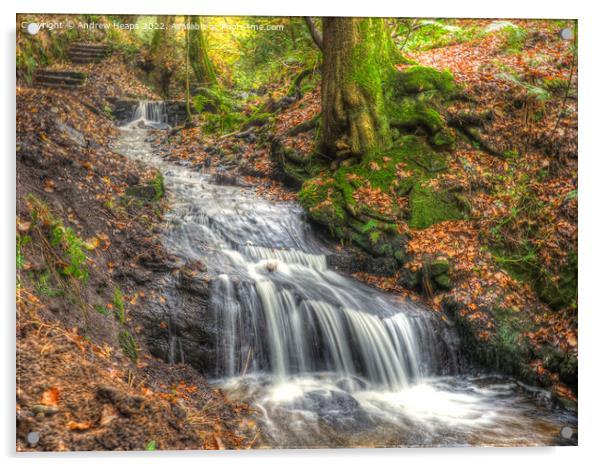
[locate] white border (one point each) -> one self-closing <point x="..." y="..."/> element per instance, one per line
<point x="590" y="260"/>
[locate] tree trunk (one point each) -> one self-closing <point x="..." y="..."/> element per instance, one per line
<point x="188" y="112"/>
<point x="358" y="64"/>
<point x="161" y="50"/>
<point x="199" y="60"/>
<point x="316" y="35"/>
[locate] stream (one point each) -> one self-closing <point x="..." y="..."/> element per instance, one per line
<point x="326" y="360"/>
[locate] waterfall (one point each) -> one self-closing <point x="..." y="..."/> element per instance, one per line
<point x="324" y="359"/>
<point x="151" y="113"/>
<point x="286" y="313"/>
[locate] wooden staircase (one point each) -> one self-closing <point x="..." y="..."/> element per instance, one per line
<point x="60" y="79"/>
<point x="83" y="52"/>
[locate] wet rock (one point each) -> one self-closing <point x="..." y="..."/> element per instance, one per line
<point x="352" y="262"/>
<point x="46" y="410"/>
<point x="351" y="384"/>
<point x="32" y="157"/>
<point x="144" y="192"/>
<point x="72" y="134"/>
<point x="271" y="266"/>
<point x="192" y="279"/>
<point x="156" y="260"/>
<point x="337" y="409"/>
<point x="138" y="276"/>
<point x="224" y="177"/>
<point x="183" y="328"/>
<point x="132" y="179"/>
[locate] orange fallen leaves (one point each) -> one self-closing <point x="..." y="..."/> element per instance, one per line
<point x="73" y="425"/>
<point x="50" y="397"/>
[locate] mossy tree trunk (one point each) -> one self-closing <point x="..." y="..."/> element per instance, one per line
<point x="161" y="51"/>
<point x="187" y="44"/>
<point x="197" y="53"/>
<point x="359" y="58"/>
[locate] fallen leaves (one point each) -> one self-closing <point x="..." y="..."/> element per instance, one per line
<point x="73" y="425"/>
<point x="50" y="397"/>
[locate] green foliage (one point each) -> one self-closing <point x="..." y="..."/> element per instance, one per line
<point x="102" y="310"/>
<point x="220" y="110"/>
<point x="533" y="90"/>
<point x="428" y="207"/>
<point x="571" y="195"/>
<point x="151" y="446"/>
<point x="119" y="306"/>
<point x="555" y="85"/>
<point x="417" y="79"/>
<point x="128" y="344"/>
<point x="516" y="241"/>
<point x="416" y="35"/>
<point x="72" y="248"/>
<point x="159" y="184"/>
<point x="45" y="285"/>
<point x="510" y="154"/>
<point x="513" y="38"/>
<point x="22" y="241"/>
<point x="144" y="30"/>
<point x="42" y="49"/>
<point x="268" y="58"/>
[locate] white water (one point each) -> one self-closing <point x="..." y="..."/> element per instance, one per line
<point x="151" y="114"/>
<point x="326" y="360"/>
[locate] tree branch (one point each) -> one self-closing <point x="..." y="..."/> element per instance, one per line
<point x="316" y="34"/>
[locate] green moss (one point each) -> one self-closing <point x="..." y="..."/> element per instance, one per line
<point x="428" y="207"/>
<point x="72" y="249"/>
<point x="562" y="292"/>
<point x="257" y="119"/>
<point x="439" y="267"/>
<point x="506" y="350"/>
<point x="411" y="113"/>
<point x="22" y="241"/>
<point x="128" y="344"/>
<point x="119" y="306"/>
<point x="159" y="184"/>
<point x="323" y="202"/>
<point x="443" y="137"/>
<point x="422" y="78"/>
<point x="373" y="60"/>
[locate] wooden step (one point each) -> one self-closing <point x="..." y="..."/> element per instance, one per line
<point x="56" y="73"/>
<point x="62" y="79"/>
<point x="87" y="52"/>
<point x="80" y="58"/>
<point x="90" y="46"/>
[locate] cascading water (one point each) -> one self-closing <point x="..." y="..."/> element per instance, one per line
<point x="150" y="114"/>
<point x="326" y="360"/>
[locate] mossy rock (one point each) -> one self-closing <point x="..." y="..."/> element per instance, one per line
<point x="412" y="113"/>
<point x="506" y="351"/>
<point x="562" y="293"/>
<point x="428" y="207"/>
<point x="323" y="202"/>
<point x="439" y="267"/>
<point x="568" y="370"/>
<point x="443" y="138"/>
<point x="558" y="294"/>
<point x="417" y="79"/>
<point x="443" y="282"/>
<point x="294" y="175"/>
